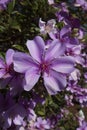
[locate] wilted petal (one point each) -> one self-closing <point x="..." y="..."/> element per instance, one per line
<point x="64" y="64"/>
<point x="41" y="23"/>
<point x="36" y="48"/>
<point x="51" y="2"/>
<point x="32" y="76"/>
<point x="54" y="82"/>
<point x="42" y="26"/>
<point x="9" y="56"/>
<point x="51" y="23"/>
<point x="55" y="50"/>
<point x="22" y="62"/>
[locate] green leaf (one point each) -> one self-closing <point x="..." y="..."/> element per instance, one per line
<point x="19" y="47"/>
<point x="14" y="24"/>
<point x="41" y="113"/>
<point x="2" y="28"/>
<point x="11" y="6"/>
<point x="17" y="27"/>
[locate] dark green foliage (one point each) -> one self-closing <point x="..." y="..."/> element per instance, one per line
<point x="20" y="22"/>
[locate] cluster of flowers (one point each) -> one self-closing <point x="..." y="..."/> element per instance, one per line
<point x="54" y="62"/>
<point x="77" y="3"/>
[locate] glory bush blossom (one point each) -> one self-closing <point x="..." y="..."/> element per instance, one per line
<point x="49" y="63"/>
<point x="6" y="66"/>
<point x="8" y="76"/>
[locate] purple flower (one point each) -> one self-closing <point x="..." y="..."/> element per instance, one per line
<point x="83" y="127"/>
<point x="10" y="111"/>
<point x="8" y="75"/>
<point x="14" y="127"/>
<point x="5" y="103"/>
<point x="15" y="114"/>
<point x="47" y="63"/>
<point x="54" y="119"/>
<point x="47" y="28"/>
<point x="42" y="124"/>
<point x="62" y="7"/>
<point x="75" y="51"/>
<point x="68" y="99"/>
<point x="64" y="36"/>
<point x="68" y="19"/>
<point x="82" y="3"/>
<point x="29" y="106"/>
<point x="80" y="94"/>
<point x="3" y="4"/>
<point x="5" y="67"/>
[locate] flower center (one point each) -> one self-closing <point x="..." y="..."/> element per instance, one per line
<point x="48" y="28"/>
<point x="44" y="67"/>
<point x="62" y="40"/>
<point x="9" y="69"/>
